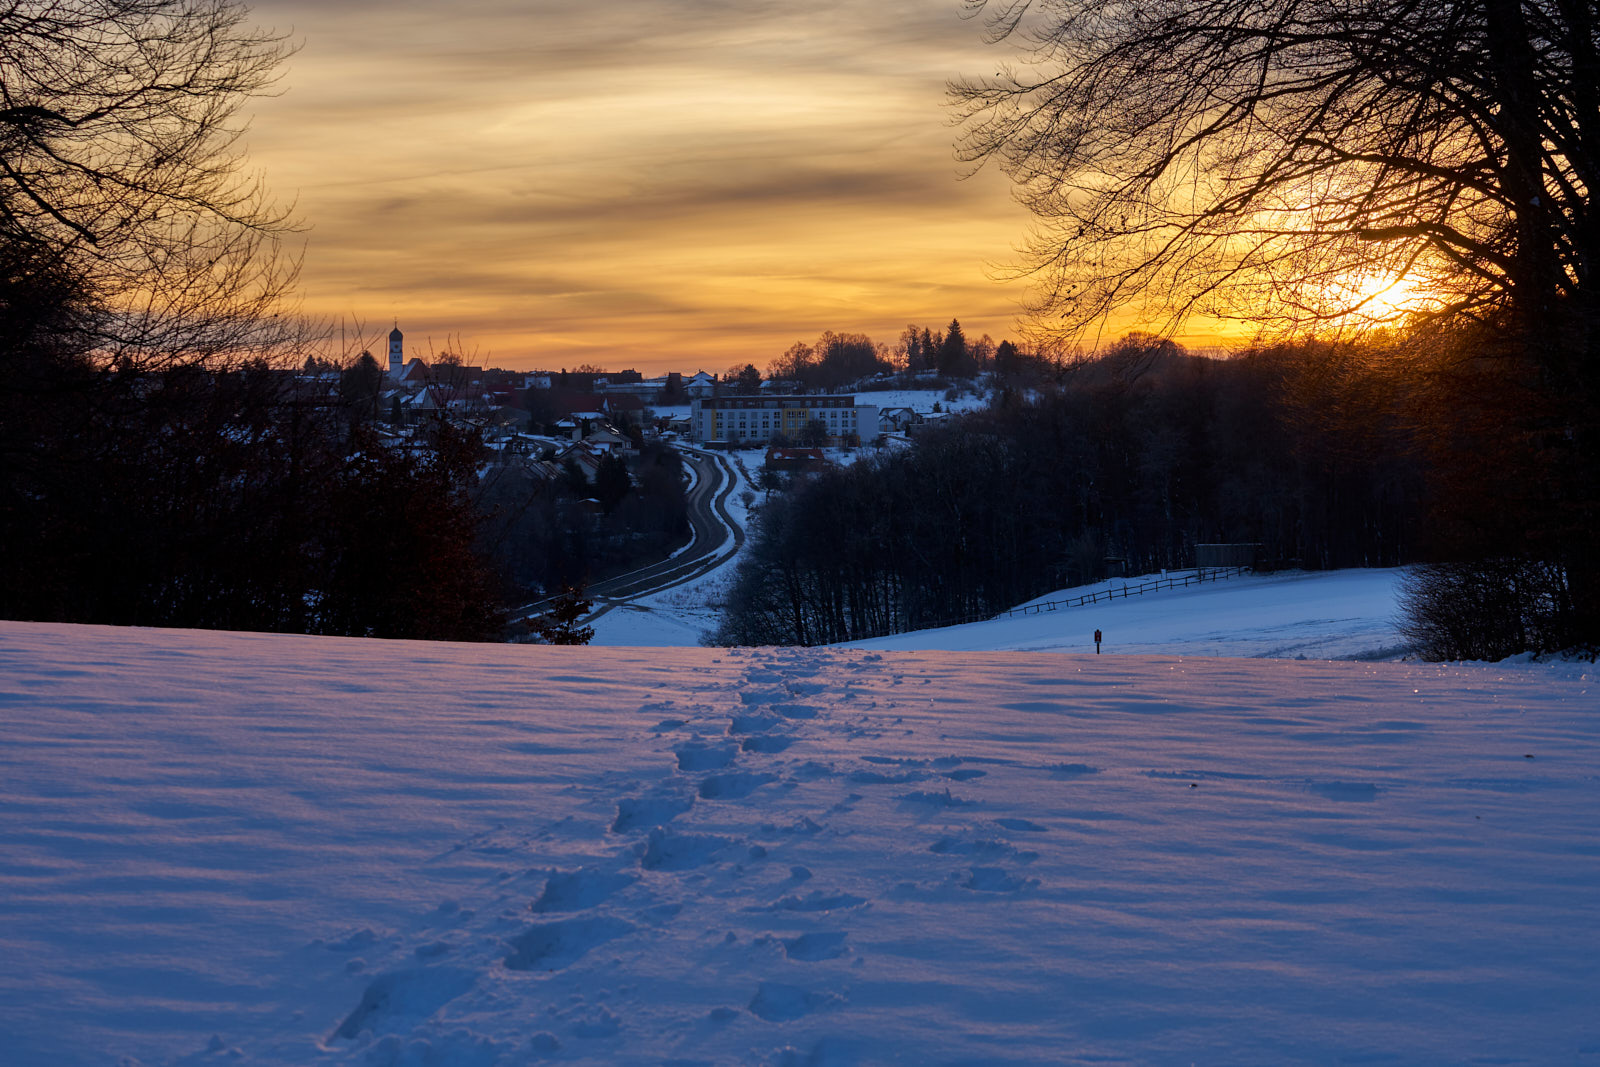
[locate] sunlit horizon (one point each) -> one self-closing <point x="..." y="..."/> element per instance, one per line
<point x="539" y="186"/>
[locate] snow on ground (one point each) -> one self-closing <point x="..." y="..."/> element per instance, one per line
<point x="233" y="848"/>
<point x="1348" y="614"/>
<point x="678" y="617"/>
<point x="921" y="400"/>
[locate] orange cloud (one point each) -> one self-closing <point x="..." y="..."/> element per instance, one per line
<point x="636" y="183"/>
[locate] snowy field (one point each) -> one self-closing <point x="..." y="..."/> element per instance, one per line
<point x="677" y="618"/>
<point x="1348" y="614"/>
<point x="921" y="400"/>
<point x="230" y="848"/>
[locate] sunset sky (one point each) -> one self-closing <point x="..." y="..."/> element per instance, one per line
<point x="635" y="183"/>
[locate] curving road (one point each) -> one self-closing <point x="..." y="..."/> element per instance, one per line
<point x="715" y="538"/>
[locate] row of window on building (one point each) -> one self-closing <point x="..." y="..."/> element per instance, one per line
<point x="758" y="419"/>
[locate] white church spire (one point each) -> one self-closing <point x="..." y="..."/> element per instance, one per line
<point x="396" y="350"/>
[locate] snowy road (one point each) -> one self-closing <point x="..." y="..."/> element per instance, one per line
<point x="715" y="536"/>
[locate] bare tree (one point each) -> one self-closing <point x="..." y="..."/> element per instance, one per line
<point x="1283" y="161"/>
<point x="119" y="160"/>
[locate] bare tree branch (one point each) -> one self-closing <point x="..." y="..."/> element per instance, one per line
<point x="1237" y="158"/>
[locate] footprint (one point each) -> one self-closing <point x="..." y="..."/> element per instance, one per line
<point x="817" y="900"/>
<point x="1072" y="770"/>
<point x="822" y="945"/>
<point x="795" y="711"/>
<point x="982" y="850"/>
<point x="752" y="724"/>
<point x="413" y="994"/>
<point x="552" y="946"/>
<point x="579" y="889"/>
<point x="681" y="852"/>
<point x="776" y="1002"/>
<point x="639" y="813"/>
<point x="766" y="744"/>
<point x="935" y="800"/>
<point x="734" y="786"/>
<point x="993" y="880"/>
<point x="704" y="757"/>
<point x="879" y="778"/>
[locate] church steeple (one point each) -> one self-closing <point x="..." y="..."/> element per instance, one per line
<point x="396" y="350"/>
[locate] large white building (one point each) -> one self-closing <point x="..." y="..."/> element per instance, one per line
<point x="754" y="419"/>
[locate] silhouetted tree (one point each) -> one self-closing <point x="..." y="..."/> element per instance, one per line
<point x="1005" y="359"/>
<point x="573" y="480"/>
<point x="1246" y="158"/>
<point x="953" y="351"/>
<point x="835" y="360"/>
<point x="560" y="624"/>
<point x="814" y="434"/>
<point x="360" y="386"/>
<point x="745" y="379"/>
<point x="672" y="392"/>
<point x="161" y="463"/>
<point x="117" y="131"/>
<point x="1283" y="162"/>
<point x="611" y="482"/>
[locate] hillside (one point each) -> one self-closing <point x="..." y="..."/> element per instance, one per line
<point x="1348" y="614"/>
<point x="1345" y="614"/>
<point x="235" y="848"/>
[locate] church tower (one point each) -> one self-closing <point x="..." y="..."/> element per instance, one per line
<point x="396" y="350"/>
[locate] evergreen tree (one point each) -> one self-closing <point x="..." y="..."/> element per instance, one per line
<point x="1005" y="359"/>
<point x="953" y="351"/>
<point x="560" y="625"/>
<point x="611" y="482"/>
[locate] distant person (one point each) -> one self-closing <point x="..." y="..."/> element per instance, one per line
<point x="1097" y="642"/>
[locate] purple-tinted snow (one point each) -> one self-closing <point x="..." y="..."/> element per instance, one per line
<point x="284" y="850"/>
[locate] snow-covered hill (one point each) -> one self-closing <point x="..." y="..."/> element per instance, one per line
<point x="231" y="848"/>
<point x="1348" y="614"/>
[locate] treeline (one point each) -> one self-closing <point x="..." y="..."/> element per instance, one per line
<point x="221" y="499"/>
<point x="168" y="484"/>
<point x="232" y="493"/>
<point x="841" y="360"/>
<point x="210" y="485"/>
<point x="1135" y="457"/>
